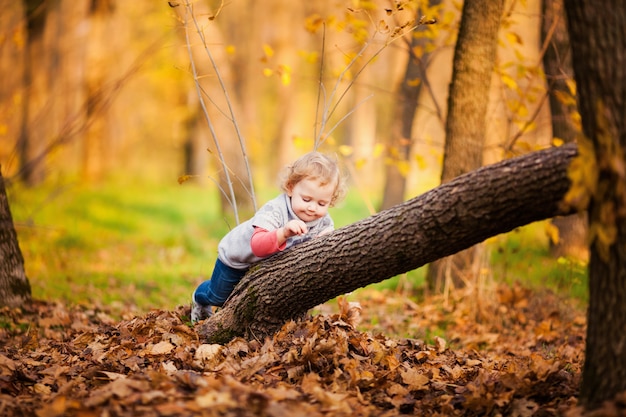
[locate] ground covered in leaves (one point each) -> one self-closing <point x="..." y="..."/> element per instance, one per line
<point x="520" y="354"/>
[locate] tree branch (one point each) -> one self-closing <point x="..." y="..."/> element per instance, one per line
<point x="452" y="217"/>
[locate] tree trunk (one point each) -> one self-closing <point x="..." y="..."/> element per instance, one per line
<point x="474" y="60"/>
<point x="36" y="103"/>
<point x="14" y="285"/>
<point x="106" y="61"/>
<point x="400" y="141"/>
<point x="598" y="40"/>
<point x="12" y="54"/>
<point x="53" y="76"/>
<point x="441" y="222"/>
<point x="557" y="64"/>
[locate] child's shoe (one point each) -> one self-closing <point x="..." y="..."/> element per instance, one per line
<point x="200" y="312"/>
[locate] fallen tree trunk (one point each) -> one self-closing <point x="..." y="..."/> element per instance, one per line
<point x="473" y="207"/>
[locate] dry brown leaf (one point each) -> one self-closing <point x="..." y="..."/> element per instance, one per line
<point x="523" y="358"/>
<point x="440" y="344"/>
<point x="414" y="379"/>
<point x="161" y="348"/>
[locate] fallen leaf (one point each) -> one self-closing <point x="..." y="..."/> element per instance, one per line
<point x="414" y="379"/>
<point x="161" y="348"/>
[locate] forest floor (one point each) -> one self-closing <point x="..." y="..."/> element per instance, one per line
<point x="519" y="354"/>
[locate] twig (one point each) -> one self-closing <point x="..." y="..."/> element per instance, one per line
<point x="321" y="88"/>
<point x="328" y="111"/>
<point x="233" y="200"/>
<point x="230" y="116"/>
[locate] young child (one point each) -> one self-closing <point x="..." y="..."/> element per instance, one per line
<point x="311" y="185"/>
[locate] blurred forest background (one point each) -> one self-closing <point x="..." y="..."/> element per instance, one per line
<point x="100" y="117"/>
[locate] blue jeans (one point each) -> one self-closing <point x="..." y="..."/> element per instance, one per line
<point x="215" y="291"/>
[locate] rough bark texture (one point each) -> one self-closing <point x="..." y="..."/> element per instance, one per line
<point x="14" y="285"/>
<point x="598" y="37"/>
<point x="466" y="124"/>
<point x="441" y="222"/>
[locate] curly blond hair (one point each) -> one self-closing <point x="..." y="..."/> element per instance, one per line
<point x="315" y="166"/>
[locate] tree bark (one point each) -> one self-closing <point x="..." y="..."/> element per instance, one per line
<point x="466" y="124"/>
<point x="557" y="64"/>
<point x="441" y="222"/>
<point x="14" y="286"/>
<point x="598" y="37"/>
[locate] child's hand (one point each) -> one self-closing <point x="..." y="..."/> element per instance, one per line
<point x="295" y="227"/>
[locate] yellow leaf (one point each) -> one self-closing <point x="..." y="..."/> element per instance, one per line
<point x="553" y="233"/>
<point x="184" y="178"/>
<point x="514" y="38"/>
<point x="509" y="81"/>
<point x="360" y="163"/>
<point x="268" y="72"/>
<point x="231" y="49"/>
<point x="313" y="23"/>
<point x="302" y="142"/>
<point x="366" y="375"/>
<point x="583" y="173"/>
<point x="267" y="50"/>
<point x="565" y="98"/>
<point x="421" y="162"/>
<point x="414" y="82"/>
<point x="529" y="127"/>
<point x="522" y="111"/>
<point x="309" y="57"/>
<point x="403" y="167"/>
<point x="379" y="148"/>
<point x="523" y="146"/>
<point x="571" y="85"/>
<point x="345" y="150"/>
<point x="557" y="141"/>
<point x="418" y="50"/>
<point x="285" y="74"/>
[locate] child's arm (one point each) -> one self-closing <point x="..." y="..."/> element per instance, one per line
<point x="267" y="242"/>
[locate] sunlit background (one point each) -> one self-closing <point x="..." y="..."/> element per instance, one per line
<point x="118" y="194"/>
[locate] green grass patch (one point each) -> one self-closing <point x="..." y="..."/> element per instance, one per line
<point x="147" y="245"/>
<point x="523" y="256"/>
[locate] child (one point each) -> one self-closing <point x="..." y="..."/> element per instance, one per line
<point x="311" y="185"/>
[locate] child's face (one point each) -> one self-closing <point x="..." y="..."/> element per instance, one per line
<point x="310" y="200"/>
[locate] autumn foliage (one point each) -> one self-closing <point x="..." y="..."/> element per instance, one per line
<point x="520" y="355"/>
